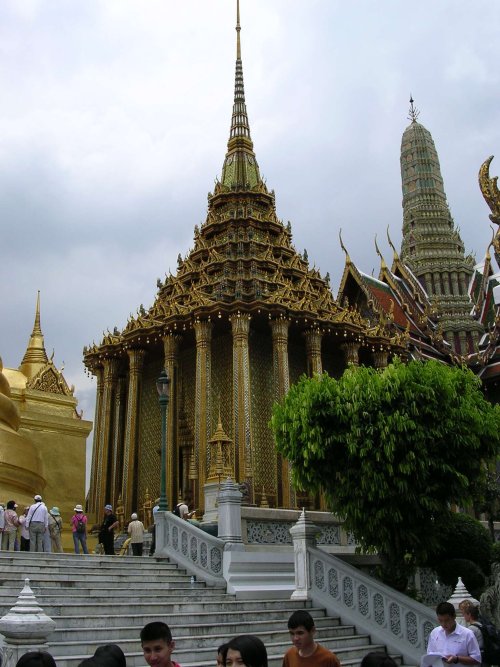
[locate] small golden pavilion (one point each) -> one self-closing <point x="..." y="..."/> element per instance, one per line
<point x="244" y="316"/>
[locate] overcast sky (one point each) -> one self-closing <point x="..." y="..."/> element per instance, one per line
<point x="115" y="116"/>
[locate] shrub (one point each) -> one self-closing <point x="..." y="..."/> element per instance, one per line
<point x="472" y="577"/>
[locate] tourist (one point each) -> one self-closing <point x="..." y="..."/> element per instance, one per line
<point x="470" y="613"/>
<point x="158" y="645"/>
<point x="107" y="531"/>
<point x="37" y="521"/>
<point x="221" y="661"/>
<point x="455" y="643"/>
<point x="55" y="528"/>
<point x="11" y="522"/>
<point x="378" y="659"/>
<point x="79" y="529"/>
<point x="305" y="649"/>
<point x="182" y="510"/>
<point x="152" y="548"/>
<point x="36" y="659"/>
<point x="25" y="533"/>
<point x="2" y="519"/>
<point x="110" y="655"/>
<point x="136" y="531"/>
<point x="245" y="651"/>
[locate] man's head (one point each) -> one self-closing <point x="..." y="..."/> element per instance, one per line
<point x="37" y="498"/>
<point x="157" y="644"/>
<point x="133" y="516"/>
<point x="302" y="630"/>
<point x="108" y="509"/>
<point x="445" y="613"/>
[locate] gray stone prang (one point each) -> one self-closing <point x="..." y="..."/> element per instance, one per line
<point x="304" y="536"/>
<point x="25" y="627"/>
<point x="229" y="503"/>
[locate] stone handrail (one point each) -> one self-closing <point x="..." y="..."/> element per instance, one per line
<point x="190" y="547"/>
<point x="393" y="619"/>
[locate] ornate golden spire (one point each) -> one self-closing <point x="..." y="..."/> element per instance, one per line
<point x="35" y="356"/>
<point x="414" y="112"/>
<point x="240" y="170"/>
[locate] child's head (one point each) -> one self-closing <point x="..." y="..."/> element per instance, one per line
<point x="220" y="655"/>
<point x="157" y="644"/>
<point x="302" y="630"/>
<point x="36" y="659"/>
<point x="377" y="659"/>
<point x="301" y="617"/>
<point x="245" y="650"/>
<point x="110" y="655"/>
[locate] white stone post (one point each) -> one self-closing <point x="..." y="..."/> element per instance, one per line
<point x="161" y="534"/>
<point x="25" y="628"/>
<point x="229" y="503"/>
<point x="304" y="536"/>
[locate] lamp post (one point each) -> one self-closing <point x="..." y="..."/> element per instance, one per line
<point x="163" y="389"/>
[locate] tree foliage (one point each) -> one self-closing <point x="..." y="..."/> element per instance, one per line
<point x="390" y="450"/>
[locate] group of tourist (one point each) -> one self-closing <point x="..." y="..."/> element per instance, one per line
<point x="242" y="651"/>
<point x="34" y="529"/>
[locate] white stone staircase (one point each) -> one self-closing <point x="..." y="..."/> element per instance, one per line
<point x="107" y="599"/>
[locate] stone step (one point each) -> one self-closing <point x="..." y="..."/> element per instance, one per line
<point x="125" y="577"/>
<point x="180" y="606"/>
<point x="201" y="622"/>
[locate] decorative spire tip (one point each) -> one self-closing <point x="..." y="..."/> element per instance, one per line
<point x="414" y="112"/>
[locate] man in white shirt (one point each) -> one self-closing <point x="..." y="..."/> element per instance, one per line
<point x="37" y="520"/>
<point x="136" y="531"/>
<point x="453" y="642"/>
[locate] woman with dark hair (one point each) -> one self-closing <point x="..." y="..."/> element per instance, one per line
<point x="245" y="651"/>
<point x="36" y="659"/>
<point x="110" y="655"/>
<point x="377" y="659"/>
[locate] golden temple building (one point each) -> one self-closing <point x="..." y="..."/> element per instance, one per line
<point x="244" y="316"/>
<point x="42" y="435"/>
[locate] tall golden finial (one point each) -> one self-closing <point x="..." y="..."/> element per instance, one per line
<point x="35" y="356"/>
<point x="347" y="258"/>
<point x="414" y="112"/>
<point x="238" y="29"/>
<point x="396" y="255"/>
<point x="383" y="265"/>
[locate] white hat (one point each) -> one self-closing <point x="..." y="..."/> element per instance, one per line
<point x="133" y="516"/>
<point x="37" y="497"/>
<point x="78" y="508"/>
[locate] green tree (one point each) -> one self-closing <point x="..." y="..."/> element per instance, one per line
<point x="390" y="450"/>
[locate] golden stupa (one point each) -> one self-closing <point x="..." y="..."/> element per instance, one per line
<point x="42" y="436"/>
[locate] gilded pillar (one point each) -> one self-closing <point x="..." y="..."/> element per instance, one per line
<point x="203" y="332"/>
<point x="97" y="445"/>
<point x="171" y="352"/>
<point x="129" y="483"/>
<point x="241" y="399"/>
<point x="117" y="454"/>
<point x="313" y="350"/>
<point x="380" y="358"/>
<point x="281" y="375"/>
<point x="351" y="351"/>
<point x="104" y="472"/>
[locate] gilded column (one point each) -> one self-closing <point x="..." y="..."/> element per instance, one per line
<point x="129" y="479"/>
<point x="313" y="350"/>
<point x="380" y="358"/>
<point x="241" y="399"/>
<point x="117" y="456"/>
<point x="351" y="353"/>
<point x="203" y="332"/>
<point x="171" y="352"/>
<point x="281" y="375"/>
<point x="97" y="444"/>
<point x="110" y="372"/>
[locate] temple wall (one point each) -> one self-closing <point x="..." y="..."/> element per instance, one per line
<point x="148" y="474"/>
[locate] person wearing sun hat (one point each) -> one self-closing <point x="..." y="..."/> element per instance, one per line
<point x="107" y="530"/>
<point x="79" y="528"/>
<point x="37" y="521"/>
<point x="55" y="528"/>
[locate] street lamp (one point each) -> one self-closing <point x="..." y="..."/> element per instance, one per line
<point x="163" y="389"/>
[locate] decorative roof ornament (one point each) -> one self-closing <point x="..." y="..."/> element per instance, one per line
<point x="491" y="194"/>
<point x="414" y="113"/>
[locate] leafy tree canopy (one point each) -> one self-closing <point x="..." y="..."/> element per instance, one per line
<point x="390" y="450"/>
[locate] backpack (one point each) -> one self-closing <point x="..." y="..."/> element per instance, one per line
<point x="80" y="525"/>
<point x="491" y="639"/>
<point x="177" y="510"/>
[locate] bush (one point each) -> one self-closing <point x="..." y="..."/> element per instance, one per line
<point x="495" y="553"/>
<point x="449" y="570"/>
<point x="464" y="538"/>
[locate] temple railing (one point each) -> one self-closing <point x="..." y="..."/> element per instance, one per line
<point x="184" y="543"/>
